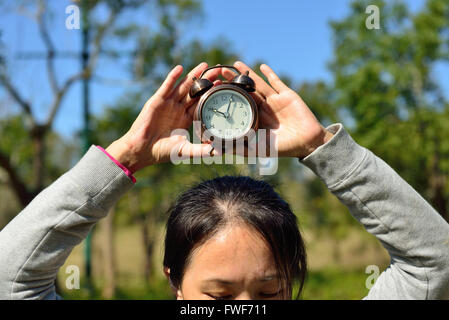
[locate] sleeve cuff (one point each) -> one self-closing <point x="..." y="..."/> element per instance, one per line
<point x="121" y="166"/>
<point x="334" y="161"/>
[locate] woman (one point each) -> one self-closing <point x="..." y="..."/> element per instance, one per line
<point x="233" y="237"/>
<point x="235" y="254"/>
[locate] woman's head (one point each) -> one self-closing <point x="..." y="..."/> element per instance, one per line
<point x="233" y="238"/>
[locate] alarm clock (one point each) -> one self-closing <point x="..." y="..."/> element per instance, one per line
<point x="226" y="112"/>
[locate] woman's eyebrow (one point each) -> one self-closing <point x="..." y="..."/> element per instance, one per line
<point x="269" y="277"/>
<point x="220" y="281"/>
<point x="229" y="282"/>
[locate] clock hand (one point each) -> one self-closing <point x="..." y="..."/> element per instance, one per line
<point x="230" y="118"/>
<point x="223" y="114"/>
<point x="229" y="105"/>
<point x="233" y="110"/>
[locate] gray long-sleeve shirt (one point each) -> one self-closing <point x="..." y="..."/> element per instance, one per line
<point x="36" y="243"/>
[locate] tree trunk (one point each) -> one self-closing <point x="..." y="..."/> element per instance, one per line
<point x="148" y="242"/>
<point x="110" y="266"/>
<point x="437" y="187"/>
<point x="18" y="186"/>
<point x="38" y="134"/>
<point x="438" y="199"/>
<point x="336" y="253"/>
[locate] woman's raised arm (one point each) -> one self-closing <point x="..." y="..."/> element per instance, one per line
<point x="36" y="243"/>
<point x="415" y="235"/>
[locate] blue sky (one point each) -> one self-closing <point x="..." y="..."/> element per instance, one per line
<point x="293" y="37"/>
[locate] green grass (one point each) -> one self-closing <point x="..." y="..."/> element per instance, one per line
<point x="328" y="278"/>
<point x="156" y="290"/>
<point x="333" y="284"/>
<point x="327" y="284"/>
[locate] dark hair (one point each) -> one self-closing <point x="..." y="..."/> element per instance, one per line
<point x="203" y="210"/>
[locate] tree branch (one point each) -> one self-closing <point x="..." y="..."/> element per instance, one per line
<point x="87" y="71"/>
<point x="49" y="45"/>
<point x="19" y="187"/>
<point x="17" y="184"/>
<point x="60" y="95"/>
<point x="99" y="37"/>
<point x="6" y="83"/>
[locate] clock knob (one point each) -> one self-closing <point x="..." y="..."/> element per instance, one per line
<point x="199" y="86"/>
<point x="245" y="82"/>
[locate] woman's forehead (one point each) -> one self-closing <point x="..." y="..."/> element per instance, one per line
<point x="235" y="250"/>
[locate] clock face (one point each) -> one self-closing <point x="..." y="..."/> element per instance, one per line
<point x="227" y="114"/>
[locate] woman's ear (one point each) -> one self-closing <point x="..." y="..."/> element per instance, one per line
<point x="176" y="291"/>
<point x="167" y="272"/>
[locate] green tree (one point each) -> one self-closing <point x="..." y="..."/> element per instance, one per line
<point x="15" y="143"/>
<point x="107" y="32"/>
<point x="158" y="185"/>
<point x="150" y="45"/>
<point x="384" y="85"/>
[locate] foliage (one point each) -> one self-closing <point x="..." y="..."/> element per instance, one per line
<point x="383" y="81"/>
<point x="383" y="90"/>
<point x="327" y="284"/>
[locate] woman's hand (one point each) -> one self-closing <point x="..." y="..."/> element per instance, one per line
<point x="281" y="110"/>
<point x="150" y="139"/>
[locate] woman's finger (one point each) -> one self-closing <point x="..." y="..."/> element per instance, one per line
<point x="212" y="74"/>
<point x="190" y="150"/>
<point x="217" y="82"/>
<point x="258" y="98"/>
<point x="169" y="82"/>
<point x="192" y="107"/>
<point x="265" y="112"/>
<point x="228" y="74"/>
<point x="184" y="86"/>
<point x="272" y="77"/>
<point x="261" y="86"/>
<point x="185" y="99"/>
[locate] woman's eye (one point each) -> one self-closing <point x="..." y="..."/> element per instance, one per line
<point x="220" y="297"/>
<point x="270" y="295"/>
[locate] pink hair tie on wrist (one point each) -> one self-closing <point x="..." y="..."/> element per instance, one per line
<point x="125" y="169"/>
